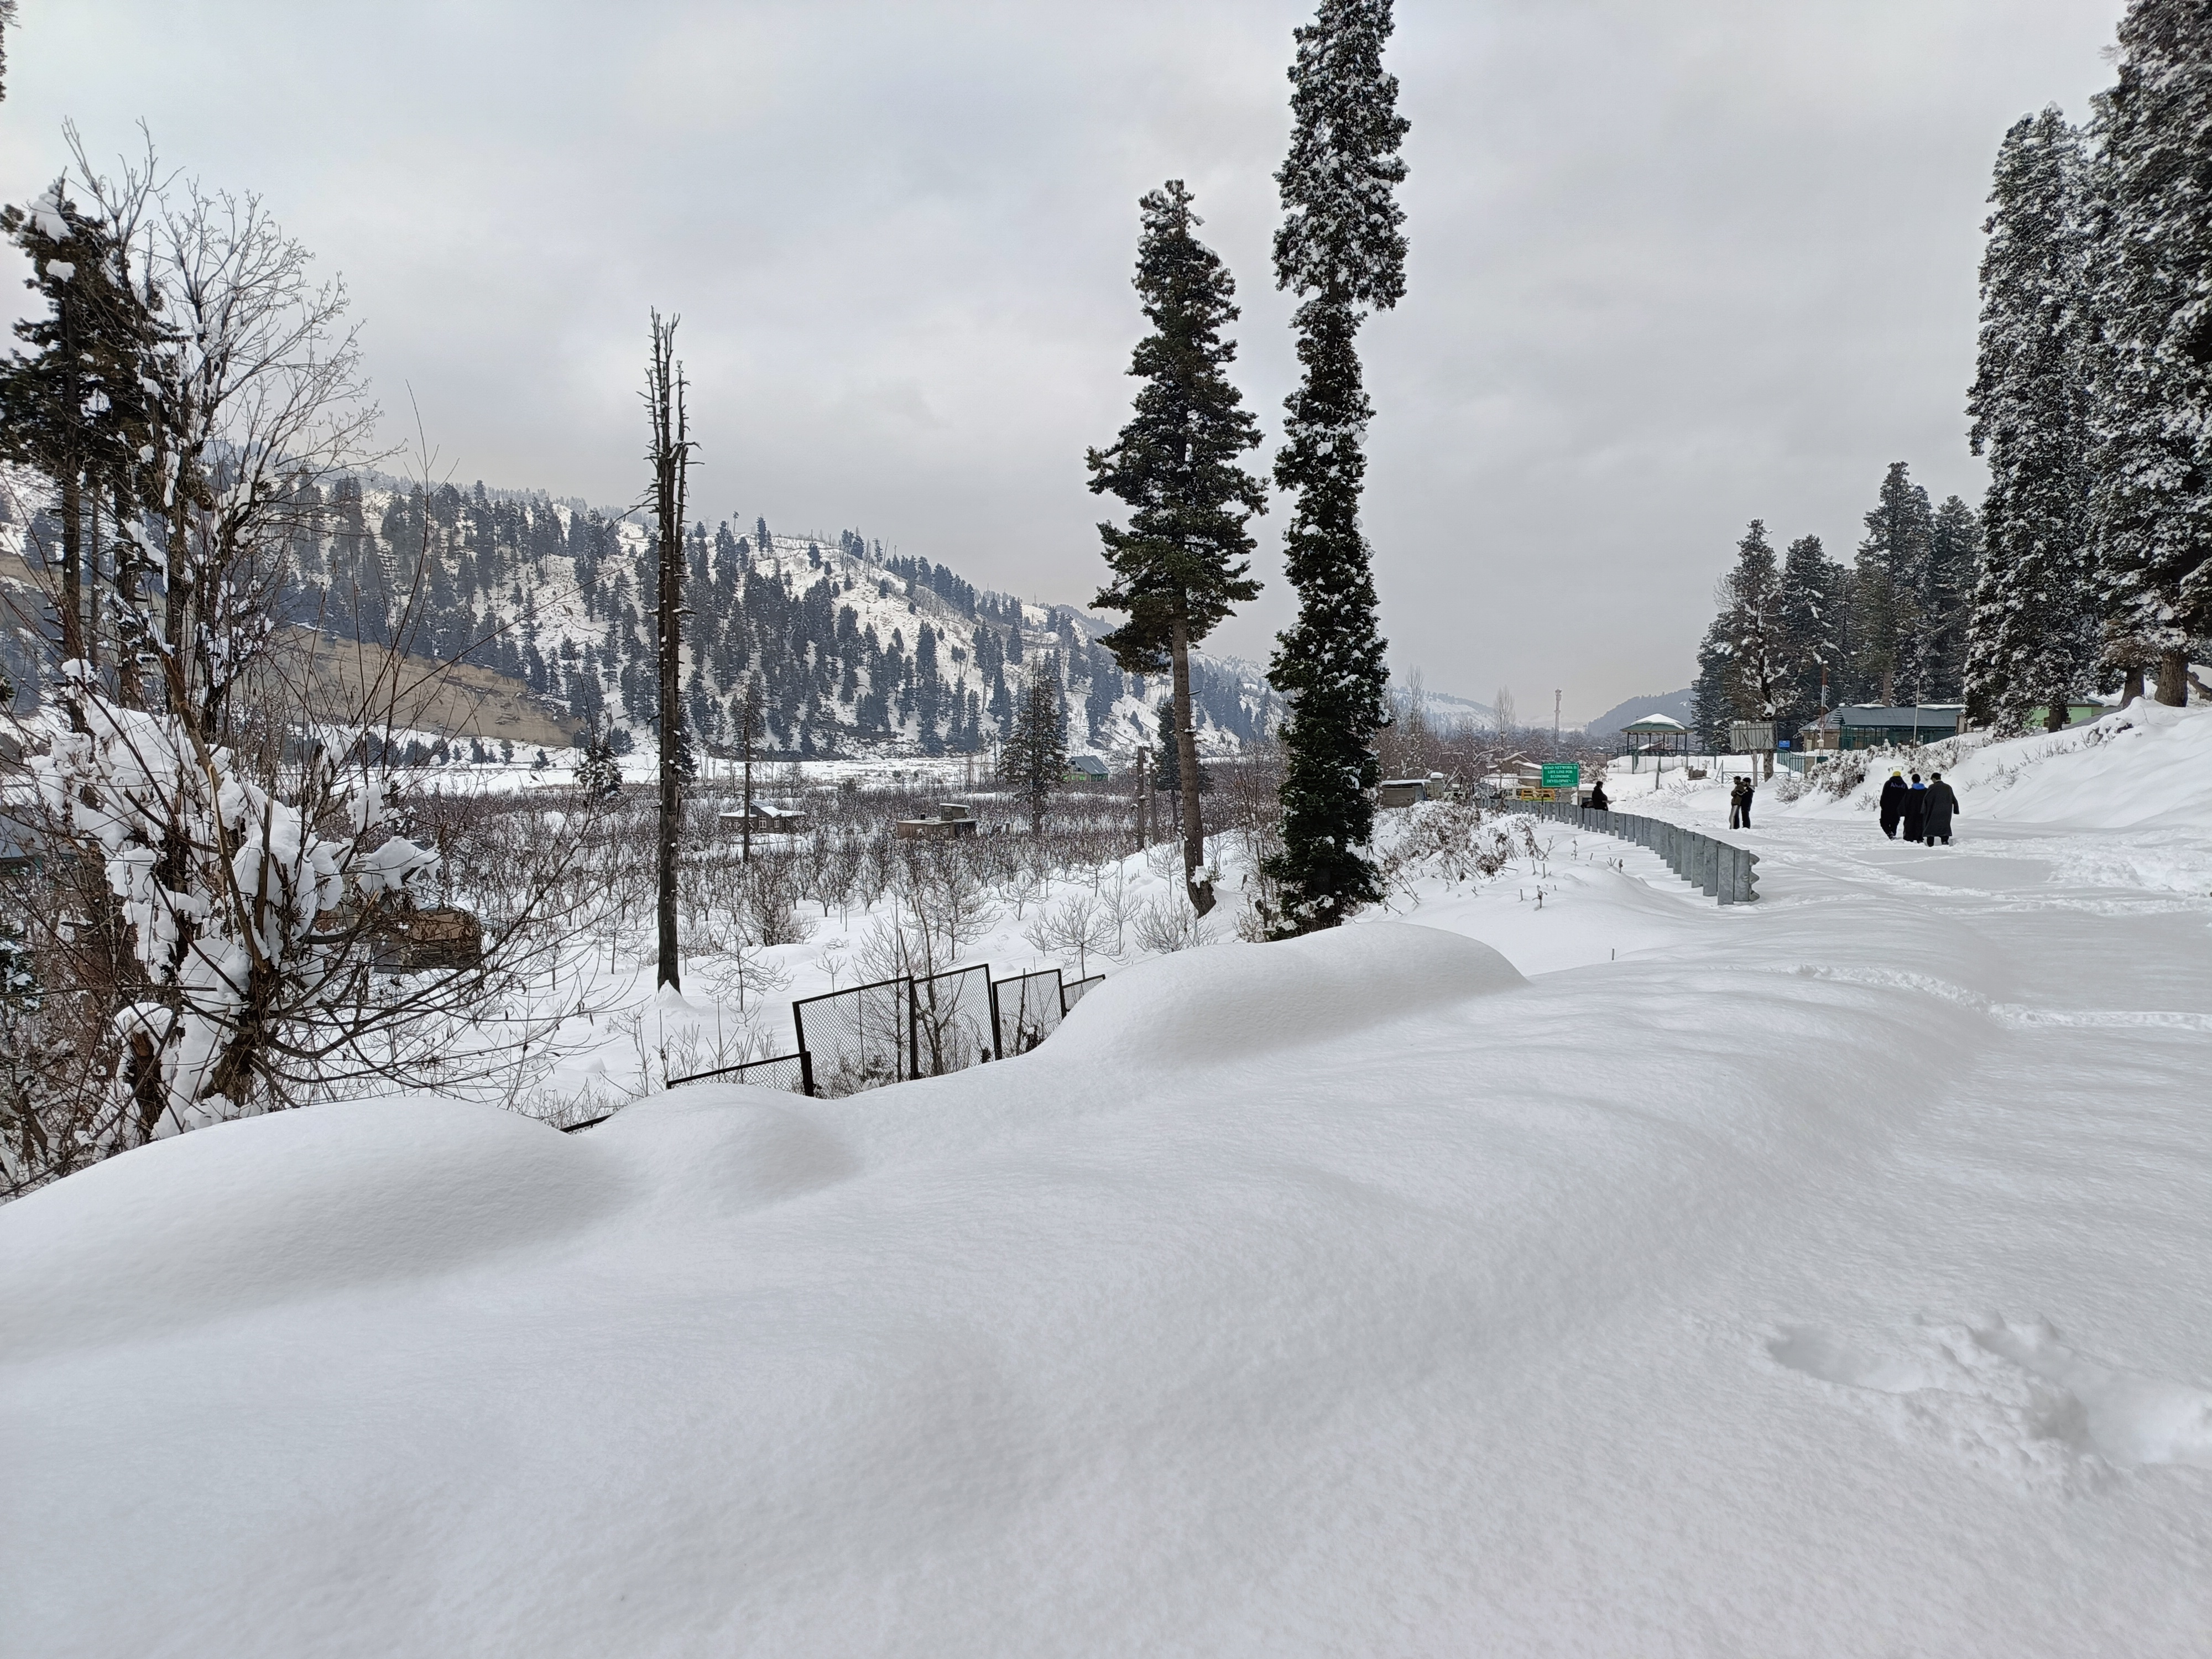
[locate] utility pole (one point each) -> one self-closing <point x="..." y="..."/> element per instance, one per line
<point x="1556" y="695"/>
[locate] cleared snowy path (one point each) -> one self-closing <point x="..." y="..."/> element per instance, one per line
<point x="1825" y="1276"/>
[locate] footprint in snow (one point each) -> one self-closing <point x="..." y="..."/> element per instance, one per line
<point x="2011" y="1397"/>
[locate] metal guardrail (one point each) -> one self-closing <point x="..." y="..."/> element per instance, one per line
<point x="1723" y="871"/>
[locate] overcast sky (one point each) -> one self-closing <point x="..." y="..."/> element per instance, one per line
<point x="1674" y="265"/>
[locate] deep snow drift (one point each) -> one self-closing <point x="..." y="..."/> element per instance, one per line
<point x="1825" y="1276"/>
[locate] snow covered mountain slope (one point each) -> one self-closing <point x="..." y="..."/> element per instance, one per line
<point x="1826" y="1276"/>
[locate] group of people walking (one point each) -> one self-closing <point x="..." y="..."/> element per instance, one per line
<point x="1923" y="811"/>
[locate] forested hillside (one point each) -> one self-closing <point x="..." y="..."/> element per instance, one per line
<point x="845" y="646"/>
<point x="850" y="649"/>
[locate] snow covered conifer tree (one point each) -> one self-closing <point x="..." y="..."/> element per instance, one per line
<point x="1753" y="621"/>
<point x="1034" y="758"/>
<point x="73" y="410"/>
<point x="1892" y="563"/>
<point x="2031" y="633"/>
<point x="1811" y="626"/>
<point x="1182" y="563"/>
<point x="1944" y="602"/>
<point x="1711" y="709"/>
<point x="2150" y="219"/>
<point x="1342" y="249"/>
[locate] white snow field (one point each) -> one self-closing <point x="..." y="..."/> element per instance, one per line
<point x="1624" y="1276"/>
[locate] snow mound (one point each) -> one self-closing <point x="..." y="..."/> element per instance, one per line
<point x="1209" y="1006"/>
<point x="728" y="1148"/>
<point x="267" y="1210"/>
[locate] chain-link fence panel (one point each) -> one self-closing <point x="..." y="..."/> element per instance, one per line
<point x="1074" y="992"/>
<point x="1025" y="1011"/>
<point x="777" y="1072"/>
<point x="952" y="1022"/>
<point x="857" y="1039"/>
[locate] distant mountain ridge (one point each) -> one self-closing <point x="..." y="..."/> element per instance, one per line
<point x="1676" y="705"/>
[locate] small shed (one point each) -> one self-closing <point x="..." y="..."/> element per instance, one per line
<point x="20" y="854"/>
<point x="1876" y="726"/>
<point x="767" y="819"/>
<point x="416" y="941"/>
<point x="954" y="819"/>
<point x="1401" y="792"/>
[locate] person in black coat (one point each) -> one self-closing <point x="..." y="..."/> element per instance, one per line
<point x="1935" y="812"/>
<point x="1914" y="807"/>
<point x="1597" y="802"/>
<point x="1893" y="804"/>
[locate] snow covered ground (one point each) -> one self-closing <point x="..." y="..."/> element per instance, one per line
<point x="1599" y="1273"/>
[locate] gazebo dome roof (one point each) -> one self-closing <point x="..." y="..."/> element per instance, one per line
<point x="1656" y="723"/>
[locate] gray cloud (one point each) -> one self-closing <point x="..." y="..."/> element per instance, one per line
<point x="1674" y="265"/>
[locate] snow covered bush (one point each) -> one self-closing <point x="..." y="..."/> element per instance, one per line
<point x="1452" y="842"/>
<point x="220" y="883"/>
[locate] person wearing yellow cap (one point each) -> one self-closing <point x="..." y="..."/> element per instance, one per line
<point x="1893" y="804"/>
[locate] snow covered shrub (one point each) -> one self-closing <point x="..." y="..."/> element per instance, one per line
<point x="220" y="885"/>
<point x="1451" y="841"/>
<point x="1788" y="787"/>
<point x="1080" y="926"/>
<point x="1845" y="773"/>
<point x="1164" y="926"/>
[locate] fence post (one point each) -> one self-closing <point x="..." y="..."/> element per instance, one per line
<point x="806" y="1073"/>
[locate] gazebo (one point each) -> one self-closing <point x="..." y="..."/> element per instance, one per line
<point x="1657" y="735"/>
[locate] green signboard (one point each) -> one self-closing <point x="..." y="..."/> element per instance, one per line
<point x="1563" y="776"/>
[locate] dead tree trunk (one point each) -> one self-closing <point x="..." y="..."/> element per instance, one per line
<point x="1193" y="829"/>
<point x="671" y="456"/>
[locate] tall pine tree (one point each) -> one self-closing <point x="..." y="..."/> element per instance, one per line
<point x="1711" y="706"/>
<point x="1034" y="758"/>
<point x="1944" y="602"/>
<point x="2031" y="627"/>
<point x="1812" y="614"/>
<point x="1757" y="680"/>
<point x="2151" y="459"/>
<point x="1892" y="563"/>
<point x="1182" y="563"/>
<point x="1342" y="249"/>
